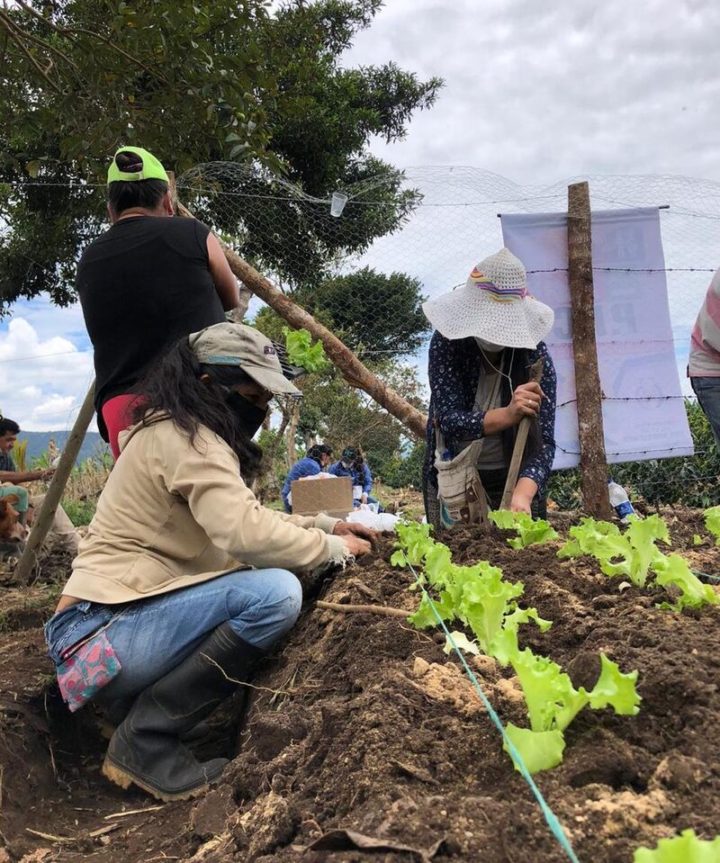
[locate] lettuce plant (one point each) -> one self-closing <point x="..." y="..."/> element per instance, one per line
<point x="553" y="702"/>
<point x="479" y="597"/>
<point x="529" y="531"/>
<point x="635" y="555"/>
<point x="685" y="848"/>
<point x="712" y="522"/>
<point x="629" y="554"/>
<point x="673" y="570"/>
<point x="476" y="595"/>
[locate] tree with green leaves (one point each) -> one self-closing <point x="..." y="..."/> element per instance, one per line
<point x="343" y="416"/>
<point x="372" y="312"/>
<point x="239" y="83"/>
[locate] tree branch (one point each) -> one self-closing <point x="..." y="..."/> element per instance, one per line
<point x="48" y="46"/>
<point x="108" y="41"/>
<point x="23" y="5"/>
<point x="10" y="27"/>
<point x="68" y="31"/>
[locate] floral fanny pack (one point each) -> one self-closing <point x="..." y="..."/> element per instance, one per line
<point x="86" y="668"/>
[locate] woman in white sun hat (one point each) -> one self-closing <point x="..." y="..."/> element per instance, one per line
<point x="487" y="336"/>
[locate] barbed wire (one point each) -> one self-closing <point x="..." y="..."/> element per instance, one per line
<point x="635" y="452"/>
<point x="450" y="222"/>
<point x="635" y="270"/>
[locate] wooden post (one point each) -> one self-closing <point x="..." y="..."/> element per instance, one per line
<point x="354" y="372"/>
<point x="593" y="461"/>
<point x="44" y="518"/>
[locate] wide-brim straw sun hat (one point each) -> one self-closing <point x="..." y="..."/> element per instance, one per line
<point x="494" y="306"/>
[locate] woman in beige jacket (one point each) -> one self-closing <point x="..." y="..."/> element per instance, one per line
<point x="162" y="607"/>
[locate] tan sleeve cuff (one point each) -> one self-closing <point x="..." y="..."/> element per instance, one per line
<point x="338" y="551"/>
<point x="325" y="522"/>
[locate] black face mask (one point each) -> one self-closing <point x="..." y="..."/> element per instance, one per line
<point x="250" y="416"/>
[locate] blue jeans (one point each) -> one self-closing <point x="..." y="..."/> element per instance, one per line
<point x="707" y="390"/>
<point x="152" y="636"/>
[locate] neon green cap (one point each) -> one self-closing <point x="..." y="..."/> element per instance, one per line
<point x="151" y="169"/>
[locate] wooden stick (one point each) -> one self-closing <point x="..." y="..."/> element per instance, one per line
<point x="354" y="372"/>
<point x="56" y="488"/>
<point x="593" y="461"/>
<point x="108" y="828"/>
<point x="364" y="609"/>
<point x="536" y="373"/>
<point x="50" y="837"/>
<point x="128" y="812"/>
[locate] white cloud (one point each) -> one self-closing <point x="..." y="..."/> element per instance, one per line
<point x="538" y="91"/>
<point x="55" y="406"/>
<point x="535" y="92"/>
<point x="42" y="381"/>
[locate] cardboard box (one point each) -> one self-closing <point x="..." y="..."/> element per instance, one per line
<point x="332" y="496"/>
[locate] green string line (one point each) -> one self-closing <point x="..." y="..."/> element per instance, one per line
<point x="551" y="818"/>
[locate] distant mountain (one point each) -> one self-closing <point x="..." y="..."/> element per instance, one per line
<point x="93" y="445"/>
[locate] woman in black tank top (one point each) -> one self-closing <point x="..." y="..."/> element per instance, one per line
<point x="146" y="282"/>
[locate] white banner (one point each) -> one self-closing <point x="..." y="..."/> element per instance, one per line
<point x="643" y="410"/>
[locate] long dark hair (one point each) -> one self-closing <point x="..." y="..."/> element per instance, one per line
<point x="124" y="194"/>
<point x="172" y="388"/>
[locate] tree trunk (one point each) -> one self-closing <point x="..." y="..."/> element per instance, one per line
<point x="593" y="461"/>
<point x="354" y="372"/>
<point x="291" y="432"/>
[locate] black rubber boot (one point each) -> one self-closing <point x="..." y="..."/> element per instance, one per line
<point x="146" y="748"/>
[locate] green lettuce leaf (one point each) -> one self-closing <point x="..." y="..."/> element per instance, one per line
<point x="529" y="531"/>
<point x="712" y="522"/>
<point x="483" y="598"/>
<point x="615" y="689"/>
<point x="685" y="848"/>
<point x="552" y="701"/>
<point x="540" y="750"/>
<point x="302" y="352"/>
<point x="673" y="570"/>
<point x="628" y="554"/>
<point x="425" y="617"/>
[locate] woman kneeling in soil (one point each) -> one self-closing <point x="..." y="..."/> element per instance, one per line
<point x="487" y="336"/>
<point x="159" y="613"/>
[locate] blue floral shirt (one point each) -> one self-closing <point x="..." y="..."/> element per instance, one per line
<point x="454" y="370"/>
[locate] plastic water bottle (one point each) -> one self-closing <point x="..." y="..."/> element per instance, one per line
<point x="620" y="501"/>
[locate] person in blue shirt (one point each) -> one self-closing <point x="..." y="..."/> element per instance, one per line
<point x="352" y="463"/>
<point x="316" y="460"/>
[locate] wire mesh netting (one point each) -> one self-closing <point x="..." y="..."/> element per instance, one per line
<point x="363" y="260"/>
<point x="431" y="228"/>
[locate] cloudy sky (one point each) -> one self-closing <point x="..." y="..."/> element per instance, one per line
<point x="535" y="94"/>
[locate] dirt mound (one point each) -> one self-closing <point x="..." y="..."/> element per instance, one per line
<point x="364" y="741"/>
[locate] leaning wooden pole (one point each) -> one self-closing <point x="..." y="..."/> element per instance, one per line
<point x="44" y="518"/>
<point x="593" y="461"/>
<point x="354" y="372"/>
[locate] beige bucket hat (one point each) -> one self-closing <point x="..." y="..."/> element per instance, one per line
<point x="231" y="344"/>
